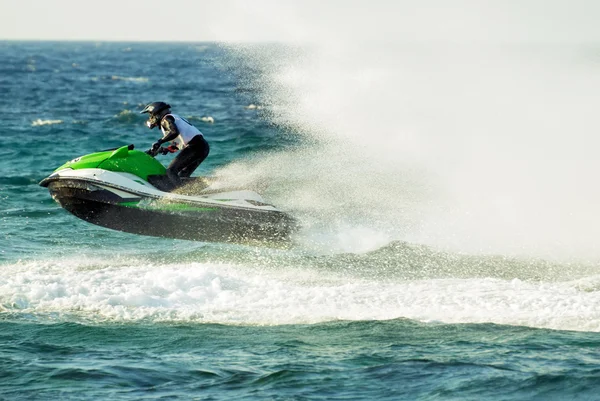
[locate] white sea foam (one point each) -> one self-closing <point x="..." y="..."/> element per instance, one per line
<point x="126" y="113"/>
<point x="40" y="122"/>
<point x="130" y="79"/>
<point x="230" y="294"/>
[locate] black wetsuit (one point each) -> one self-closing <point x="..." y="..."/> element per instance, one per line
<point x="189" y="158"/>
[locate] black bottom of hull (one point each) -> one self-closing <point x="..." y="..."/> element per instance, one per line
<point x="213" y="225"/>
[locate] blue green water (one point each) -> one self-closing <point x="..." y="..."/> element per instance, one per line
<point x="352" y="312"/>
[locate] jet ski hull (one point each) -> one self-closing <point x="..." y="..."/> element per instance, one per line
<point x="133" y="213"/>
<point x="124" y="189"/>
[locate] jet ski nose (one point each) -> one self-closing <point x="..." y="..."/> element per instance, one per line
<point x="46" y="181"/>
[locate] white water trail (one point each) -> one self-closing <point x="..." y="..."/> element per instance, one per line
<point x="99" y="292"/>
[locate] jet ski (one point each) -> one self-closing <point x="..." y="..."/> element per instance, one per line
<point x="128" y="190"/>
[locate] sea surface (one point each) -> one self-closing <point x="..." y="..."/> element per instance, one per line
<point x="362" y="307"/>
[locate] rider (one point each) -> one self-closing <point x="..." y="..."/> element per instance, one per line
<point x="182" y="135"/>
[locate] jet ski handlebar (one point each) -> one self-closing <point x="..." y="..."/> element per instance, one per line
<point x="154" y="150"/>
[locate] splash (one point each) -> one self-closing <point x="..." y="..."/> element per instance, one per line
<point x="480" y="145"/>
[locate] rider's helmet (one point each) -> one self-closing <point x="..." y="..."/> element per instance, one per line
<point x="156" y="111"/>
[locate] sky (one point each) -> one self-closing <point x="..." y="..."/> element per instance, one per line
<point x="301" y="20"/>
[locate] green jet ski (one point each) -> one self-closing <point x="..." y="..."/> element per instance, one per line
<point x="128" y="190"/>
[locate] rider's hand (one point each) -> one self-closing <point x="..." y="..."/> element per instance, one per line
<point x="155" y="146"/>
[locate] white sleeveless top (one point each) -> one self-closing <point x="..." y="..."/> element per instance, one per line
<point x="186" y="131"/>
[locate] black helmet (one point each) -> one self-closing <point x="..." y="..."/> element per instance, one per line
<point x="156" y="110"/>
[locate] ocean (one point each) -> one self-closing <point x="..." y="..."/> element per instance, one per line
<point x="447" y="248"/>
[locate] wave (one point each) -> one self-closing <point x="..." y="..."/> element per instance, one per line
<point x="128" y="116"/>
<point x="259" y="294"/>
<point x="417" y="262"/>
<point x="130" y="79"/>
<point x="121" y="78"/>
<point x="39" y="122"/>
<point x="23" y="180"/>
<point x="204" y="119"/>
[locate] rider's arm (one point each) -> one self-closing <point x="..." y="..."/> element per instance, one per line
<point x="169" y="129"/>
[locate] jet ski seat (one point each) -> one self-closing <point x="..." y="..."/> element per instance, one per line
<point x="163" y="183"/>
